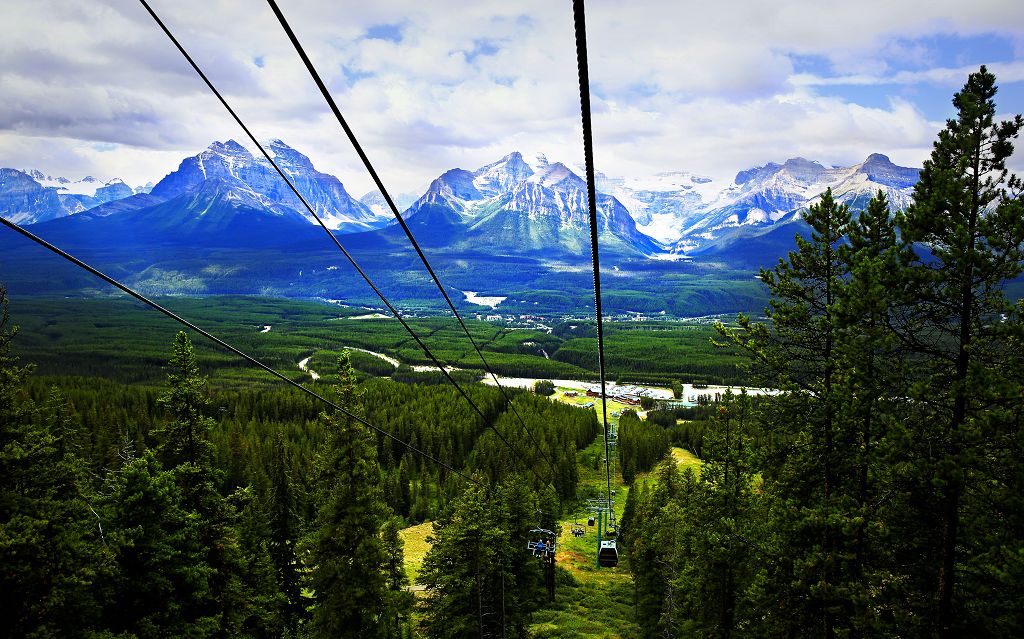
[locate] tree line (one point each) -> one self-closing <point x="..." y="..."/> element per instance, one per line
<point x="879" y="493"/>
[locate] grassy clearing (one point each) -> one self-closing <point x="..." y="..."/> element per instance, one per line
<point x="589" y="608"/>
<point x="685" y="459"/>
<point x="416" y="547"/>
<point x="590" y="602"/>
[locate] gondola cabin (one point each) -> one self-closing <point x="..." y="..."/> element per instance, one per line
<point x="608" y="556"/>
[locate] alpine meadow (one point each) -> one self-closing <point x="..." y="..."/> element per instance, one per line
<point x="636" y="375"/>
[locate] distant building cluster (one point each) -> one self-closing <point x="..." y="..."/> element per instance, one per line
<point x="517" y="321"/>
<point x="629" y="395"/>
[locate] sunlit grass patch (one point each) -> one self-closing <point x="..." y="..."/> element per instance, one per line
<point x="416" y="547"/>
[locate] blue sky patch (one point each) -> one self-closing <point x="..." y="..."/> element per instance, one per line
<point x="389" y="32"/>
<point x="955" y="51"/>
<point x="482" y="47"/>
<point x="818" y="65"/>
<point x="354" y="75"/>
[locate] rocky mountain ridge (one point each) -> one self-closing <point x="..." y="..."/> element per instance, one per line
<point x="514" y="205"/>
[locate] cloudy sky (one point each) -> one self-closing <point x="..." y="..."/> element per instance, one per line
<point x="708" y="87"/>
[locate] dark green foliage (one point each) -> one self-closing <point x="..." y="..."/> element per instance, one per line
<point x="556" y="432"/>
<point x="283" y="530"/>
<point x="218" y="523"/>
<point x="185" y="438"/>
<point x="161" y="585"/>
<point x="185" y="450"/>
<point x="966" y="227"/>
<point x="48" y="535"/>
<point x="480" y="581"/>
<point x="344" y="551"/>
<point x="641" y="444"/>
<point x="401" y="599"/>
<point x="122" y="341"/>
<point x="544" y="387"/>
<point x="878" y="493"/>
<point x="690" y="540"/>
<point x="265" y="602"/>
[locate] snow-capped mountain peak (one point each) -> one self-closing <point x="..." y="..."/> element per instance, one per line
<point x="252" y="181"/>
<point x="499" y="177"/>
<point x="772" y="193"/>
<point x="288" y="158"/>
<point x="87" y="186"/>
<point x="558" y="177"/>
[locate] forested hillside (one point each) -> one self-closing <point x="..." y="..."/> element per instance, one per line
<point x="178" y="511"/>
<point x="879" y="493"/>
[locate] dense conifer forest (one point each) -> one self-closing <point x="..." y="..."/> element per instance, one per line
<point x="879" y="493"/>
<point x="876" y="492"/>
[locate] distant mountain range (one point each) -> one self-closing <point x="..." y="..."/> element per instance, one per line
<point x="220" y="181"/>
<point x="513" y="206"/>
<point x="517" y="228"/>
<point x="27" y="197"/>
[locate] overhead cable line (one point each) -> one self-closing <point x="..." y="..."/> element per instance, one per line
<point x="394" y="311"/>
<point x="579" y="22"/>
<point x="398" y="216"/>
<point x="252" y="360"/>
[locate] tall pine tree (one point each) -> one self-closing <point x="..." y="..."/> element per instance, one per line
<point x="810" y="470"/>
<point x="967" y="231"/>
<point x="184" y="449"/>
<point x="344" y="550"/>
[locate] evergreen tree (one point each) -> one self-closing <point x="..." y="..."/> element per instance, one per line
<point x="48" y="535"/>
<point x="184" y="448"/>
<point x="720" y="565"/>
<point x="161" y="584"/>
<point x="263" y="614"/>
<point x="873" y="378"/>
<point x="402" y="599"/>
<point x="966" y="230"/>
<point x="283" y="532"/>
<point x="186" y="438"/>
<point x="654" y="555"/>
<point x="344" y="549"/>
<point x="480" y="580"/>
<point x="811" y="473"/>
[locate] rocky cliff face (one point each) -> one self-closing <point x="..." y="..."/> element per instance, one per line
<point x="23" y="200"/>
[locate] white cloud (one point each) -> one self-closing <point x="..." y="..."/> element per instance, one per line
<point x="706" y="87"/>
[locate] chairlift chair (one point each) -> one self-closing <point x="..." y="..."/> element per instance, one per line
<point x="544" y="545"/>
